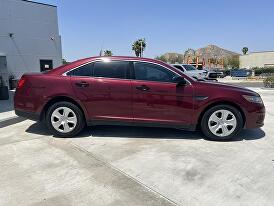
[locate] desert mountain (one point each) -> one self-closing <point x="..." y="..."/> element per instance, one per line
<point x="213" y="51"/>
<point x="208" y="52"/>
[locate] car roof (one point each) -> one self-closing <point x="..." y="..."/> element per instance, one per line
<point x="62" y="69"/>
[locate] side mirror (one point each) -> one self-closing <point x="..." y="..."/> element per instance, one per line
<point x="180" y="81"/>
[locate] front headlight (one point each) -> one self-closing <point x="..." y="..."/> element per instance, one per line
<point x="253" y="99"/>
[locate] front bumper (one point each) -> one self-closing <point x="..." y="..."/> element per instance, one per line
<point x="255" y="118"/>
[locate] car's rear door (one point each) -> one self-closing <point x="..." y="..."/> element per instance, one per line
<point x="156" y="99"/>
<point x="107" y="93"/>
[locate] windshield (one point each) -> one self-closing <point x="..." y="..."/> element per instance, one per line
<point x="189" y="67"/>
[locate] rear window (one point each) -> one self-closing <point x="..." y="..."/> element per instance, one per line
<point x="114" y="69"/>
<point x="82" y="71"/>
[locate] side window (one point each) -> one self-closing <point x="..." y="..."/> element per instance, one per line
<point x="113" y="69"/>
<point x="152" y="72"/>
<point x="83" y="71"/>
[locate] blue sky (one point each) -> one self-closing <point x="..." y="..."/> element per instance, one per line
<point x="167" y="26"/>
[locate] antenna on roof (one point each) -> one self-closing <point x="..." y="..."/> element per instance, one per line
<point x="101" y="50"/>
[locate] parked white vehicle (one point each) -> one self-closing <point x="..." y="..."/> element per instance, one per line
<point x="191" y="71"/>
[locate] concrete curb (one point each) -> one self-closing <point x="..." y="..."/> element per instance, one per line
<point x="10" y="121"/>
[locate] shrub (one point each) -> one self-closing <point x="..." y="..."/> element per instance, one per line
<point x="263" y="70"/>
<point x="162" y="58"/>
<point x="269" y="82"/>
<point x="227" y="72"/>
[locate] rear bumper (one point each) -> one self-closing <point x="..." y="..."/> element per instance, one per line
<point x="27" y="115"/>
<point x="27" y="106"/>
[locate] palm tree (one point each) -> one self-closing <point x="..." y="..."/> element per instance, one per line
<point x="161" y="58"/>
<point x="245" y="50"/>
<point x="108" y="53"/>
<point x="138" y="47"/>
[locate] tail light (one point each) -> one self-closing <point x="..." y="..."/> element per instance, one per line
<point x="21" y="83"/>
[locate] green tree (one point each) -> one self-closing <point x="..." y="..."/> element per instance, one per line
<point x="232" y="62"/>
<point x="244" y="50"/>
<point x="64" y="61"/>
<point x="171" y="58"/>
<point x="138" y="47"/>
<point x="161" y="58"/>
<point x="180" y="59"/>
<point x="108" y="53"/>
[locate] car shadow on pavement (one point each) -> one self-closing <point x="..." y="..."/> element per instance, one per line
<point x="250" y="134"/>
<point x="138" y="132"/>
<point x="38" y="128"/>
<point x="144" y="132"/>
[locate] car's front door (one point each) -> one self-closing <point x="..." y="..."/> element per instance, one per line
<point x="157" y="99"/>
<point x="107" y="93"/>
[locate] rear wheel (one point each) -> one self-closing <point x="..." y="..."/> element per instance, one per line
<point x="221" y="122"/>
<point x="65" y="119"/>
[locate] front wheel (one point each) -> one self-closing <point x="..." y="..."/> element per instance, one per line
<point x="221" y="122"/>
<point x="64" y="119"/>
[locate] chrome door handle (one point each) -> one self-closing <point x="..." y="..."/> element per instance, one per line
<point x="143" y="88"/>
<point x="82" y="84"/>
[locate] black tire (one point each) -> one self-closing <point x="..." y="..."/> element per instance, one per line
<point x="79" y="115"/>
<point x="204" y="122"/>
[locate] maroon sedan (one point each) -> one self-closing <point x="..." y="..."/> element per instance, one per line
<point x="134" y="91"/>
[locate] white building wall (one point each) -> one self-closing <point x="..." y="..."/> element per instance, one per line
<point x="35" y="35"/>
<point x="257" y="59"/>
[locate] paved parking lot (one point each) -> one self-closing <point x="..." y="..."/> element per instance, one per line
<point x="108" y="165"/>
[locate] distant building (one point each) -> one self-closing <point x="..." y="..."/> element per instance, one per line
<point x="257" y="59"/>
<point x="29" y="38"/>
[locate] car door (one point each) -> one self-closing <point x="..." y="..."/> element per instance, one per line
<point x="157" y="99"/>
<point x="106" y="93"/>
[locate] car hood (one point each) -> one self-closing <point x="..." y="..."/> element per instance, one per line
<point x="226" y="86"/>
